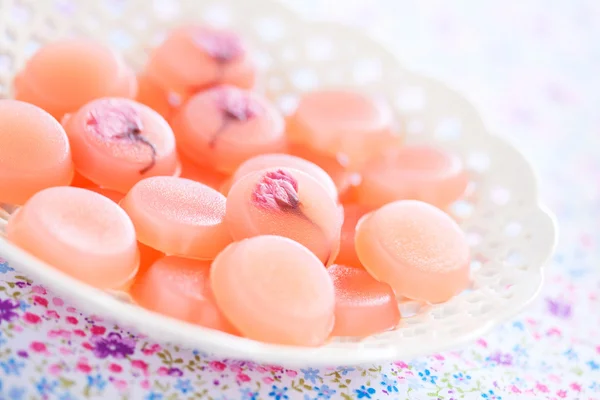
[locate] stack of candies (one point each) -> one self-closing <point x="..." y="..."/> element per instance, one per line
<point x="186" y="188"/>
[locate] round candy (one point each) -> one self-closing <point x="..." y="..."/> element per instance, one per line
<point x="180" y="288"/>
<point x="274" y="290"/>
<point x="343" y="124"/>
<point x="285" y="202"/>
<point x="224" y="126"/>
<point x="347" y="255"/>
<point x="277" y="160"/>
<point x="117" y="142"/>
<point x="193" y="58"/>
<point x="34" y="152"/>
<point x="416" y="248"/>
<point x="79" y="232"/>
<point x="363" y="306"/>
<point x="63" y="76"/>
<point x="413" y="172"/>
<point x="178" y="216"/>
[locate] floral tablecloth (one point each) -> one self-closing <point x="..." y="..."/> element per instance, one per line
<point x="532" y="68"/>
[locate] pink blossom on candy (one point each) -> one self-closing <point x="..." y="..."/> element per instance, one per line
<point x="58" y="301"/>
<point x="39" y="300"/>
<point x="38" y="289"/>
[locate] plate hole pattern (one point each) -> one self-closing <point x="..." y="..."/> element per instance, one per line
<point x="510" y="236"/>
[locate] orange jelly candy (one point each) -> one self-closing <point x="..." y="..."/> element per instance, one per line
<point x="180" y="288"/>
<point x="117" y="142"/>
<point x="63" y="76"/>
<point x="416" y="248"/>
<point x="274" y="290"/>
<point x="202" y="173"/>
<point x="363" y="306"/>
<point x="178" y="216"/>
<point x="155" y="97"/>
<point x="413" y="173"/>
<point x="34" y="152"/>
<point x="285" y="202"/>
<point x="277" y="160"/>
<point x="225" y="126"/>
<point x="347" y="255"/>
<point x="80" y="233"/>
<point x="193" y="58"/>
<point x="342" y="124"/>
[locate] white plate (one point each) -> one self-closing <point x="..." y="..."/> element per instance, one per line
<point x="512" y="235"/>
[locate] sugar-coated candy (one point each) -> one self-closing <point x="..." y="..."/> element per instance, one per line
<point x="341" y="123"/>
<point x="416" y="248"/>
<point x="34" y="152"/>
<point x="285" y="202"/>
<point x="225" y="126"/>
<point x="274" y="290"/>
<point x="63" y="76"/>
<point x="79" y="232"/>
<point x="193" y="58"/>
<point x="117" y="142"/>
<point x="178" y="216"/>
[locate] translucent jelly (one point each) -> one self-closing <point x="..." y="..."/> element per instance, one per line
<point x="178" y="216"/>
<point x="363" y="306"/>
<point x="274" y="290"/>
<point x="180" y="288"/>
<point x="347" y="255"/>
<point x="63" y="76"/>
<point x="416" y="248"/>
<point x="118" y="142"/>
<point x="193" y="58"/>
<point x="224" y="126"/>
<point x="413" y="172"/>
<point x="343" y="124"/>
<point x="79" y="232"/>
<point x="285" y="202"/>
<point x="34" y="152"/>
